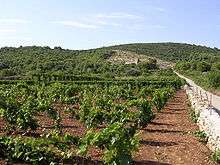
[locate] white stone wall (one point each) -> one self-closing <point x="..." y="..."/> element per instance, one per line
<point x="209" y="119"/>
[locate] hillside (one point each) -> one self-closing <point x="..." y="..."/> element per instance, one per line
<point x="172" y="51"/>
<point x="33" y="59"/>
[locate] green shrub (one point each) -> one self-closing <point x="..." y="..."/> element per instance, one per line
<point x="203" y="66"/>
<point x="183" y="65"/>
<point x="217" y="66"/>
<point x="6" y="72"/>
<point x="194" y="117"/>
<point x="203" y="137"/>
<point x="216" y="156"/>
<point x="117" y="142"/>
<point x="214" y="79"/>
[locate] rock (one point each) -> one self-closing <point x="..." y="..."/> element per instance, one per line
<point x="208" y="121"/>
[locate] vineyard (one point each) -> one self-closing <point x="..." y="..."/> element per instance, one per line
<point x="111" y="114"/>
<point x="95" y="107"/>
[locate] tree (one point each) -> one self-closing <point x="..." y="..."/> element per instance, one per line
<point x="203" y="66"/>
<point x="214" y="79"/>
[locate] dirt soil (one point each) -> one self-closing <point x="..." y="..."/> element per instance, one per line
<point x="169" y="139"/>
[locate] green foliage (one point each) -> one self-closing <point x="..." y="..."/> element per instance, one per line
<point x="183" y="65"/>
<point x="214" y="79"/>
<point x="160" y="98"/>
<point x="120" y="106"/>
<point x="6" y="72"/>
<point x="18" y="113"/>
<point x="205" y="74"/>
<point x="117" y="141"/>
<point x="172" y="51"/>
<point x="27" y="150"/>
<point x="145" y="114"/>
<point x="148" y="66"/>
<point x="216" y="156"/>
<point x="203" y="66"/>
<point x="133" y="72"/>
<point x="51" y="148"/>
<point x="194" y="117"/>
<point x="44" y="63"/>
<point x="217" y="66"/>
<point x="202" y="136"/>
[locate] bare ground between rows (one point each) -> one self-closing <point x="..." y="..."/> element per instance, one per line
<point x="167" y="140"/>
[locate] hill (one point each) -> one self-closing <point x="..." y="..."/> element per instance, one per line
<point x="24" y="61"/>
<point x="199" y="63"/>
<point x="172" y="51"/>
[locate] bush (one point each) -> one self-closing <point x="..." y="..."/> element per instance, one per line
<point x="149" y="65"/>
<point x="108" y="75"/>
<point x="216" y="156"/>
<point x="117" y="142"/>
<point x="217" y="66"/>
<point x="133" y="72"/>
<point x="183" y="65"/>
<point x="214" y="79"/>
<point x="194" y="116"/>
<point x="203" y="66"/>
<point x="193" y="65"/>
<point x="6" y="72"/>
<point x="203" y="137"/>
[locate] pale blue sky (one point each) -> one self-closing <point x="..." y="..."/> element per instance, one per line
<point x="82" y="24"/>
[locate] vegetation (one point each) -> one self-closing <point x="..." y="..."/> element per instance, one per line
<point x="216" y="156"/>
<point x="113" y="100"/>
<point x="193" y="115"/>
<point x="202" y="136"/>
<point x="200" y="63"/>
<point x="172" y="51"/>
<point x="48" y="149"/>
<point x="106" y="105"/>
<point x="203" y="73"/>
<point x="27" y="61"/>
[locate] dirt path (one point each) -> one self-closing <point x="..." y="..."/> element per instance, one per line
<point x="169" y="140"/>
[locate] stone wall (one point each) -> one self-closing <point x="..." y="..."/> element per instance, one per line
<point x="209" y="119"/>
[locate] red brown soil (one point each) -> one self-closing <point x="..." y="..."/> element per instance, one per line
<point x="169" y="139"/>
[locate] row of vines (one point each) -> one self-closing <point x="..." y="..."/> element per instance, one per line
<point x="112" y="115"/>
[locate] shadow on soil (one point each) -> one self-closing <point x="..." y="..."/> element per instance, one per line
<point x="148" y="162"/>
<point x="161" y="131"/>
<point x="174" y="113"/>
<point x="77" y="160"/>
<point x="63" y="126"/>
<point x="81" y="161"/>
<point x="158" y="143"/>
<point x="155" y="123"/>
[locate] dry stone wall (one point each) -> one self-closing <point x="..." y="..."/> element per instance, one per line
<point x="209" y="118"/>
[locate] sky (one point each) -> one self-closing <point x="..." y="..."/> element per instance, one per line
<point x="84" y="24"/>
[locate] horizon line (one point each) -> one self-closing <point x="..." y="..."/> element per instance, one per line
<point x="112" y="45"/>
